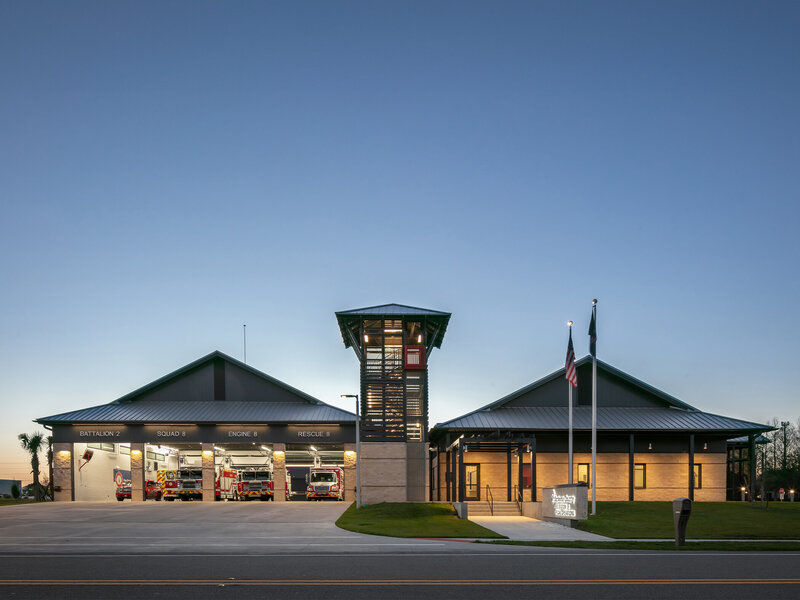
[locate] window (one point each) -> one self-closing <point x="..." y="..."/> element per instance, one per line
<point x="583" y="473"/>
<point x="124" y="449"/>
<point x="698" y="476"/>
<point x="155" y="456"/>
<point x="101" y="446"/>
<point x="639" y="476"/>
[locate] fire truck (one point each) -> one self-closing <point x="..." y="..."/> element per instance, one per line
<point x="255" y="482"/>
<point x="225" y="488"/>
<point x="325" y="483"/>
<point x="186" y="483"/>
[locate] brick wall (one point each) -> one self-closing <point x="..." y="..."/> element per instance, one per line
<point x="667" y="475"/>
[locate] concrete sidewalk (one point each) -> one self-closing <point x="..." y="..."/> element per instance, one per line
<point x="525" y="529"/>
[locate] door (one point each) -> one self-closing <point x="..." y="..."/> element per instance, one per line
<point x="472" y="481"/>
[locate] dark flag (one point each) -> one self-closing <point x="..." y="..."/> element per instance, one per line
<point x="571" y="374"/>
<point x="593" y="334"/>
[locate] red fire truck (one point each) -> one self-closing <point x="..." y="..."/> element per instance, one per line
<point x="325" y="483"/>
<point x="186" y="483"/>
<point x="255" y="482"/>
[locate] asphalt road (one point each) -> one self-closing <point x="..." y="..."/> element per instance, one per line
<point x="294" y="551"/>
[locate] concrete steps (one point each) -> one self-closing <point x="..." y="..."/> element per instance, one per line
<point x="501" y="509"/>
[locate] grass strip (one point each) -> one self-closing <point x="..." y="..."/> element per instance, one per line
<point x="689" y="547"/>
<point x="12" y="502"/>
<point x="709" y="520"/>
<point x="411" y="520"/>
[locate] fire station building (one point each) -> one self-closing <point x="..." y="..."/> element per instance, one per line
<point x="218" y="416"/>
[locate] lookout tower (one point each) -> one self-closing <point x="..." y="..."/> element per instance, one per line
<point x="393" y="343"/>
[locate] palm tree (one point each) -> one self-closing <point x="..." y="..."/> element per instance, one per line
<point x="50" y="464"/>
<point x="33" y="444"/>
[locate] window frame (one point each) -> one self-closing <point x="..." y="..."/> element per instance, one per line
<point x="588" y="473"/>
<point x="698" y="475"/>
<point x="644" y="476"/>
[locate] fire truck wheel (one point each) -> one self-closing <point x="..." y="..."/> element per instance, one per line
<point x="120" y="498"/>
<point x="158" y="497"/>
<point x="169" y="499"/>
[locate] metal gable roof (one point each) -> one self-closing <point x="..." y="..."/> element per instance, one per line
<point x="601" y="366"/>
<point x="608" y="419"/>
<point x="203" y="412"/>
<point x="392" y="310"/>
<point x="208" y="358"/>
<point x="136" y="407"/>
<point x="436" y="321"/>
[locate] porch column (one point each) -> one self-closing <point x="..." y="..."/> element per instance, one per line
<point x="533" y="470"/>
<point x="630" y="469"/>
<point x="520" y="478"/>
<point x="447" y="476"/>
<point x="279" y="472"/>
<point x="209" y="492"/>
<point x="63" y="474"/>
<point x="453" y="477"/>
<point x="508" y="470"/>
<point x="691" y="466"/>
<point x="751" y="446"/>
<point x="462" y="487"/>
<point x="137" y="472"/>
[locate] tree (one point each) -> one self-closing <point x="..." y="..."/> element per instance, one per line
<point x="15" y="491"/>
<point x="50" y="466"/>
<point x="33" y="445"/>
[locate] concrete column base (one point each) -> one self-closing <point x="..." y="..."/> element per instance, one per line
<point x="349" y="472"/>
<point x="137" y="472"/>
<point x="62" y="473"/>
<point x="279" y="472"/>
<point x="209" y="476"/>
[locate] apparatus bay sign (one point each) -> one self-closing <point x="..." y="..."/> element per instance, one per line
<point x="216" y="434"/>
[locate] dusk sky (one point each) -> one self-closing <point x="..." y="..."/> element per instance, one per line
<point x="172" y="170"/>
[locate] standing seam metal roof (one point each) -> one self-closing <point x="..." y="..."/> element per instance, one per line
<point x="608" y="418"/>
<point x="162" y="411"/>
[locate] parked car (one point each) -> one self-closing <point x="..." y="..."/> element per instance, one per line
<point x="152" y="491"/>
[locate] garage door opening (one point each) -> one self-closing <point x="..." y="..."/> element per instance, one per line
<point x="315" y="472"/>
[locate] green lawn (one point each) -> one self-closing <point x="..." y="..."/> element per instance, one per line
<point x="12" y="502"/>
<point x="690" y="546"/>
<point x="709" y="520"/>
<point x="407" y="519"/>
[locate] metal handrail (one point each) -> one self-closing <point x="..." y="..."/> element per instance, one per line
<point x="490" y="500"/>
<point x="518" y="498"/>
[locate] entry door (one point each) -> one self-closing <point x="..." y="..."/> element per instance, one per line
<point x="472" y="480"/>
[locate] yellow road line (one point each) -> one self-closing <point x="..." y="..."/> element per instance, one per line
<point x="389" y="582"/>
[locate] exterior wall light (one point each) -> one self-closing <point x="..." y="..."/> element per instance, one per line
<point x="136" y="452"/>
<point x="650" y="446"/>
<point x="349" y="452"/>
<point x="278" y="453"/>
<point x="208" y="453"/>
<point x="64" y="452"/>
<point x="705" y="446"/>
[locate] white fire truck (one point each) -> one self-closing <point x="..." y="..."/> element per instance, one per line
<point x="186" y="483"/>
<point x="225" y="487"/>
<point x="325" y="483"/>
<point x="255" y="482"/>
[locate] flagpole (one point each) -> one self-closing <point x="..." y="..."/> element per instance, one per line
<point x="569" y="386"/>
<point x="594" y="408"/>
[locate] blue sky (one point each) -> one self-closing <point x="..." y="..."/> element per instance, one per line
<point x="170" y="171"/>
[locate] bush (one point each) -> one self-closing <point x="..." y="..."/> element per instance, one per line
<point x="15" y="491"/>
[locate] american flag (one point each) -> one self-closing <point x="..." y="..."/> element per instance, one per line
<point x="571" y="374"/>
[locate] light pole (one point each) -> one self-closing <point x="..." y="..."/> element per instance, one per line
<point x="784" y="424"/>
<point x="358" y="449"/>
